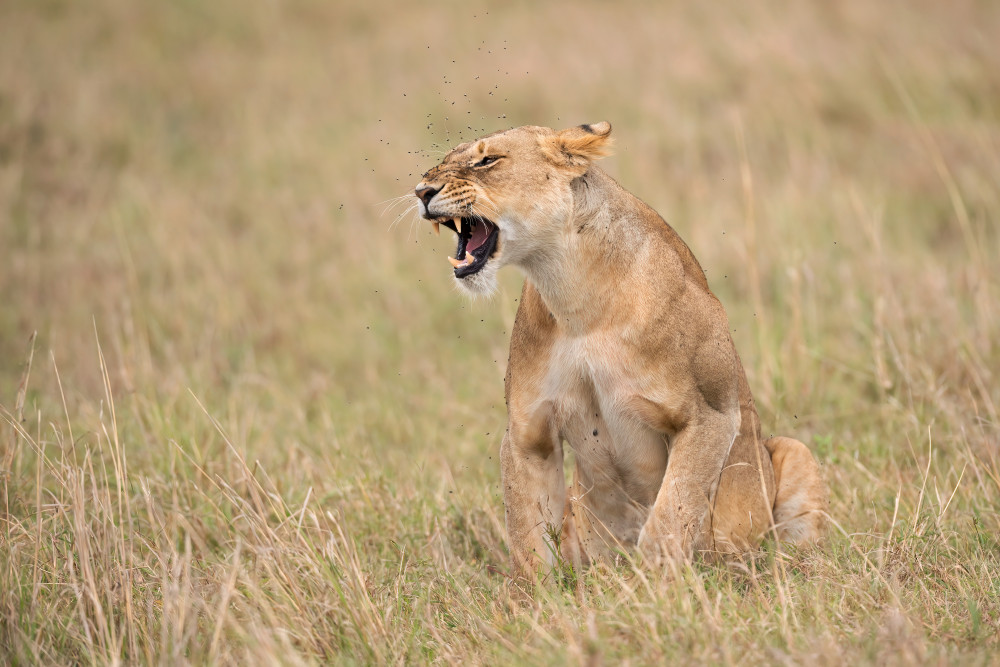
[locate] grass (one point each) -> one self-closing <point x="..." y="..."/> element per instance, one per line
<point x="257" y="424"/>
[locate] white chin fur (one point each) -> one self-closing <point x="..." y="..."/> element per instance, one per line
<point x="482" y="283"/>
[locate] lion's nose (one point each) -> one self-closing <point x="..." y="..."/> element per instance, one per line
<point x="425" y="193"/>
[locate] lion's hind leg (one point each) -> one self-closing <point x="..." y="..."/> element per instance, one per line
<point x="801" y="497"/>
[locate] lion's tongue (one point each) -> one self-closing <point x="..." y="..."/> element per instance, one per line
<point x="479" y="235"/>
<point x="480" y="232"/>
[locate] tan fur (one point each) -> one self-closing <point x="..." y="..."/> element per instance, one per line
<point x="620" y="350"/>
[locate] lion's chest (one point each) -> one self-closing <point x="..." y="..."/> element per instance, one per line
<point x="592" y="385"/>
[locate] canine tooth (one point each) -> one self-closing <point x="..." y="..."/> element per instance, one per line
<point x="437" y="228"/>
<point x="469" y="259"/>
<point x="454" y="262"/>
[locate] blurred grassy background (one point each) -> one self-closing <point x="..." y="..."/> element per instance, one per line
<point x="205" y="191"/>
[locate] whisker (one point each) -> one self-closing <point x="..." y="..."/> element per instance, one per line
<point x="485" y="203"/>
<point x="412" y="208"/>
<point x="412" y="212"/>
<point x="394" y="200"/>
<point x="491" y="210"/>
<point x="413" y="227"/>
<point x="406" y="193"/>
<point x="390" y="204"/>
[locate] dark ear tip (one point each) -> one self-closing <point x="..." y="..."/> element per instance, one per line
<point x="601" y="129"/>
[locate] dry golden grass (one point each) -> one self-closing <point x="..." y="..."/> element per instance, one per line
<point x="261" y="426"/>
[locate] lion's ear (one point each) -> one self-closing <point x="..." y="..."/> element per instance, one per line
<point x="577" y="147"/>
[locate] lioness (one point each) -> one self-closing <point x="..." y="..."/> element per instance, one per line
<point x="621" y="350"/>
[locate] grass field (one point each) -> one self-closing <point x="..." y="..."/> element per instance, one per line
<point x="259" y="425"/>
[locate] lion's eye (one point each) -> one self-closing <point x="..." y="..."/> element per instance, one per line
<point x="487" y="161"/>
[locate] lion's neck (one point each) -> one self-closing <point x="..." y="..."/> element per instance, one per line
<point x="580" y="275"/>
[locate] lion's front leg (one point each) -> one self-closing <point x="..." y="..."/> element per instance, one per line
<point x="679" y="523"/>
<point x="534" y="494"/>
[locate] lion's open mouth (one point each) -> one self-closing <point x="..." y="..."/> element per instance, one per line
<point x="477" y="241"/>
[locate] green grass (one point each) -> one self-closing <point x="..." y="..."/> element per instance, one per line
<point x="261" y="426"/>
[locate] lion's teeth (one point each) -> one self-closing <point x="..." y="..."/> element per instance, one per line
<point x="469" y="259"/>
<point x="437" y="228"/>
<point x="454" y="262"/>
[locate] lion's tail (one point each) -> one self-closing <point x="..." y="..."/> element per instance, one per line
<point x="801" y="498"/>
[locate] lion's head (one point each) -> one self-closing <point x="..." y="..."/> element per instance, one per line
<point x="506" y="194"/>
